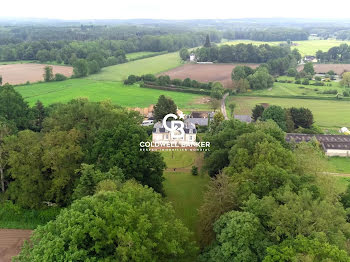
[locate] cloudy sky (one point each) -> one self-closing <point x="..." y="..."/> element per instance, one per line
<point x="179" y="9"/>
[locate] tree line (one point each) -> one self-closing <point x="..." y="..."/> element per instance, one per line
<point x="269" y="34"/>
<point x="336" y="54"/>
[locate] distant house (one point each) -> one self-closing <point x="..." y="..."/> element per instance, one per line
<point x="243" y="118"/>
<point x="309" y="58"/>
<point x="161" y="135"/>
<point x="333" y="145"/>
<point x="192" y="57"/>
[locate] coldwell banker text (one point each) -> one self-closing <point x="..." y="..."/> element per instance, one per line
<point x="174" y="135"/>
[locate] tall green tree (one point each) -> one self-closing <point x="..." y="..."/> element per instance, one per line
<point x="80" y="68"/>
<point x="207" y="43"/>
<point x="48" y="73"/>
<point x="309" y="68"/>
<point x="346" y="79"/>
<point x="132" y="224"/>
<point x="277" y="114"/>
<point x="163" y="107"/>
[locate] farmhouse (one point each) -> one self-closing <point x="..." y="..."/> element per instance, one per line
<point x="161" y="135"/>
<point x="310" y="59"/>
<point x="200" y="118"/>
<point x="333" y="145"/>
<point x="192" y="57"/>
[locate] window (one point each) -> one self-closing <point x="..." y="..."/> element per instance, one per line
<point x="190" y="138"/>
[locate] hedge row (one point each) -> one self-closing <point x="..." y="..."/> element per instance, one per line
<point x="176" y="89"/>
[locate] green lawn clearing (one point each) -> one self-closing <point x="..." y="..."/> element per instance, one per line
<point x="179" y="159"/>
<point x="339" y="165"/>
<point x="185" y="192"/>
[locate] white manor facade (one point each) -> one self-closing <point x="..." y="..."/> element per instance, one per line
<point x="162" y="136"/>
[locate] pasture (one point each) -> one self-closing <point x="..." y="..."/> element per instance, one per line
<point x="327" y="113"/>
<point x="15" y="74"/>
<point x="206" y="72"/>
<point x="307" y="47"/>
<point x="152" y="65"/>
<point x="116" y="92"/>
<point x="324" y="68"/>
<point x="137" y="55"/>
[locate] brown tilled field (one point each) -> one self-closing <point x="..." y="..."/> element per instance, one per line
<point x="205" y="72"/>
<point x="11" y="241"/>
<point x="324" y="68"/>
<point x="21" y="73"/>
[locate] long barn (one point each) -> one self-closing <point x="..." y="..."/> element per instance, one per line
<point x="333" y="145"/>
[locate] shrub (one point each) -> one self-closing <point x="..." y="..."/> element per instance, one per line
<point x="298" y="82"/>
<point x="194" y="171"/>
<point x="301" y="87"/>
<point x="149" y="77"/>
<point x="60" y="77"/>
<point x="330" y="91"/>
<point x="306" y="81"/>
<point x="346" y="93"/>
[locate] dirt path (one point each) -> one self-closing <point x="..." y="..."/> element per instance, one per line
<point x="11" y="241"/>
<point x="223" y="106"/>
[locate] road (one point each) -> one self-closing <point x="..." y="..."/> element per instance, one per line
<point x="223" y="106"/>
<point x="11" y="241"/>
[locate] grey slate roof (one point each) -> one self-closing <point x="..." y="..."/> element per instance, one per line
<point x="244" y="118"/>
<point x="159" y="128"/>
<point x="340" y="142"/>
<point x="198" y="121"/>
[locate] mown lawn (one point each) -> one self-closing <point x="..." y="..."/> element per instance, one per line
<point x="307" y="47"/>
<point x="152" y="65"/>
<point x="179" y="159"/>
<point x="185" y="192"/>
<point x="327" y="113"/>
<point x="116" y="92"/>
<point x="339" y="164"/>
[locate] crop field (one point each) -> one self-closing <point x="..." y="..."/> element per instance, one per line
<point x="152" y="65"/>
<point x="307" y="47"/>
<point x="205" y="72"/>
<point x="327" y="113"/>
<point x="137" y="55"/>
<point x="324" y="68"/>
<point x="116" y="92"/>
<point x="15" y="74"/>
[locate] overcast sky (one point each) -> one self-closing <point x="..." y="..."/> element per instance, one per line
<point x="178" y="9"/>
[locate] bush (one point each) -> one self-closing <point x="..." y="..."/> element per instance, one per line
<point x="60" y="77"/>
<point x="149" y="77"/>
<point x="176" y="82"/>
<point x="298" y="82"/>
<point x="318" y="84"/>
<point x="317" y="78"/>
<point x="346" y="93"/>
<point x="330" y="91"/>
<point x="194" y="171"/>
<point x="301" y="87"/>
<point x="306" y="81"/>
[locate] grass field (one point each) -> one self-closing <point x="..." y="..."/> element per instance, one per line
<point x="153" y="65"/>
<point x="308" y="47"/>
<point x="339" y="165"/>
<point x="116" y="92"/>
<point x="327" y="113"/>
<point x="137" y="55"/>
<point x="185" y="192"/>
<point x="179" y="159"/>
<point x="291" y="89"/>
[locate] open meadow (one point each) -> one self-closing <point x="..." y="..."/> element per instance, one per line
<point x="137" y="55"/>
<point x="152" y="65"/>
<point x="116" y="92"/>
<point x="307" y="47"/>
<point x="107" y="85"/>
<point x="327" y="113"/>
